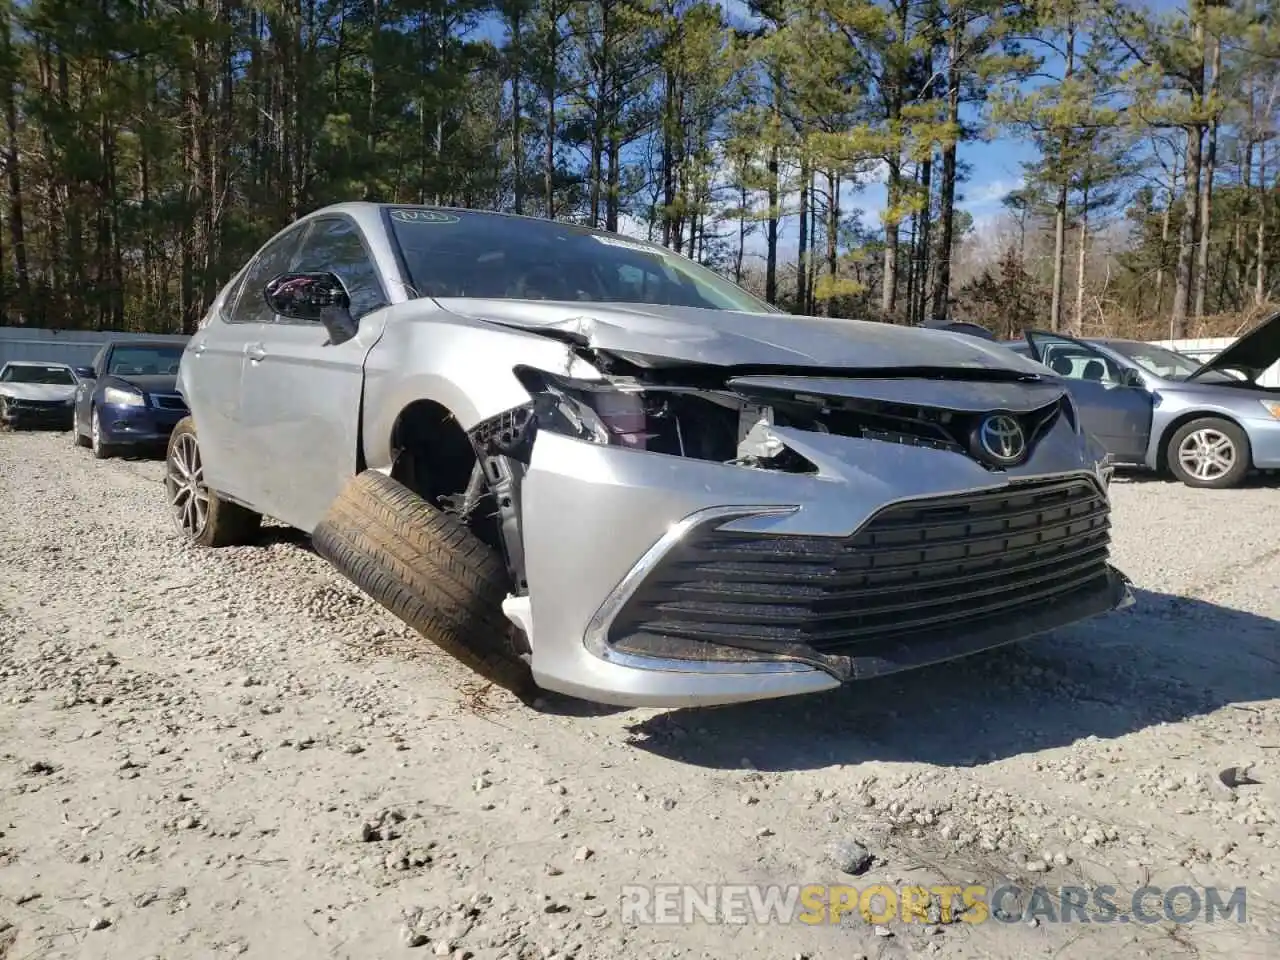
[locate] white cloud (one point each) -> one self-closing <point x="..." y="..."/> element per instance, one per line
<point x="990" y="193"/>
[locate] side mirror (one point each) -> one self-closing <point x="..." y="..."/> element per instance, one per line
<point x="313" y="297"/>
<point x="1130" y="377"/>
<point x="85" y="373"/>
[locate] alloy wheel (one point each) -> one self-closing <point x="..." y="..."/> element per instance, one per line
<point x="95" y="433"/>
<point x="184" y="483"/>
<point x="1207" y="454"/>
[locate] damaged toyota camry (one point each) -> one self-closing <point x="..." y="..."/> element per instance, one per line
<point x="586" y="464"/>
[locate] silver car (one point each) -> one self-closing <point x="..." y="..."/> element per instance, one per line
<point x="36" y="394"/>
<point x="1207" y="423"/>
<point x="583" y="463"/>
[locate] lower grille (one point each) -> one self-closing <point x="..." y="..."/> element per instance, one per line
<point x="39" y="406"/>
<point x="168" y="401"/>
<point x="914" y="572"/>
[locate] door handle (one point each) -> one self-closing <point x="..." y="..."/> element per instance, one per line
<point x="255" y="351"/>
<point x="198" y="349"/>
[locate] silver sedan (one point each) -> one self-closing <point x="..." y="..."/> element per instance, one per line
<point x="583" y="463"/>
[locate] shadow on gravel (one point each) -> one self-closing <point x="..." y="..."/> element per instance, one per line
<point x="1165" y="659"/>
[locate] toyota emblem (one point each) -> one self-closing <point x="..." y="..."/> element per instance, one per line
<point x="1002" y="439"/>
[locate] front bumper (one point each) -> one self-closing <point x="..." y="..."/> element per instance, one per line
<point x="123" y="424"/>
<point x="38" y="413"/>
<point x="626" y="606"/>
<point x="1264" y="442"/>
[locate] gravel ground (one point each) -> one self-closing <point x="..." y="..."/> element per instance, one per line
<point x="213" y="753"/>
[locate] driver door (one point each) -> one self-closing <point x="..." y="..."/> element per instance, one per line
<point x="300" y="393"/>
<point x="1113" y="406"/>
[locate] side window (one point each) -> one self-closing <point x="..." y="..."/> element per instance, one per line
<point x="271" y="262"/>
<point x="334" y="246"/>
<point x="1077" y="362"/>
<point x="232" y="298"/>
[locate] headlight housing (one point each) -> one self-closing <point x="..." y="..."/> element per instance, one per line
<point x="123" y="397"/>
<point x="1272" y="407"/>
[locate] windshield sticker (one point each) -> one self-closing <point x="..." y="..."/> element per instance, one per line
<point x="625" y="244"/>
<point x="423" y="216"/>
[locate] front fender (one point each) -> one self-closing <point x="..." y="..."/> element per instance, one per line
<point x="463" y="365"/>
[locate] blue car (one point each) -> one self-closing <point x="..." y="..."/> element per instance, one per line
<point x="128" y="399"/>
<point x="1207" y="424"/>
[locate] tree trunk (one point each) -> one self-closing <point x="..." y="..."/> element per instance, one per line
<point x="833" y="235"/>
<point x="1077" y="321"/>
<point x="1206" y="194"/>
<point x="771" y="254"/>
<point x="893" y="184"/>
<point x="17" y="227"/>
<point x="742" y="234"/>
<point x="1260" y="287"/>
<point x="517" y="163"/>
<point x="923" y="239"/>
<point x="947" y="202"/>
<point x="802" y="259"/>
<point x="1164" y="235"/>
<point x="1183" y="277"/>
<point x="1060" y="205"/>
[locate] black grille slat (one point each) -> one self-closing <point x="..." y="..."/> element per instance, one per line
<point x="918" y="568"/>
<point x="779" y="610"/>
<point x="825" y="639"/>
<point x="786" y="592"/>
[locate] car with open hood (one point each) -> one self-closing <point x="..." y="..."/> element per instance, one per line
<point x="586" y="464"/>
<point x="1207" y="423"/>
<point x="128" y="398"/>
<point x="36" y="394"/>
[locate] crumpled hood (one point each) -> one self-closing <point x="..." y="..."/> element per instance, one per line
<point x="662" y="335"/>
<point x="1252" y="354"/>
<point x="38" y="391"/>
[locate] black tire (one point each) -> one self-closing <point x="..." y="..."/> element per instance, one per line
<point x="226" y="524"/>
<point x="428" y="569"/>
<point x="101" y="449"/>
<point x="1206" y="427"/>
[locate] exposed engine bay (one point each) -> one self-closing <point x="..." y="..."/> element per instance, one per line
<point x="730" y="415"/>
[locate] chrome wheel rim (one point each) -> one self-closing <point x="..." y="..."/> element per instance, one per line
<point x="96" y="433"/>
<point x="184" y="483"/>
<point x="1207" y="454"/>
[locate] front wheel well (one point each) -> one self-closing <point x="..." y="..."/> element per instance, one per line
<point x="430" y="452"/>
<point x="1162" y="451"/>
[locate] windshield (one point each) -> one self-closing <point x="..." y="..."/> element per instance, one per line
<point x="29" y="373"/>
<point x="458" y="253"/>
<point x="142" y="361"/>
<point x="1157" y="360"/>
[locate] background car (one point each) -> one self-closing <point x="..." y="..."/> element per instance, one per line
<point x="37" y="394"/>
<point x="129" y="398"/>
<point x="1206" y="423"/>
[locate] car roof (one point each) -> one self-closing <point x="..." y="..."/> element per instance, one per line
<point x="37" y="363"/>
<point x="160" y="341"/>
<point x="368" y="215"/>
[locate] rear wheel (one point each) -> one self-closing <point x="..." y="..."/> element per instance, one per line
<point x="1209" y="452"/>
<point x="202" y="516"/>
<point x="430" y="570"/>
<point x="78" y="438"/>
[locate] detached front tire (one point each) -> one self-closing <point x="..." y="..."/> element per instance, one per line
<point x="430" y="570"/>
<point x="1209" y="452"/>
<point x="202" y="516"/>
